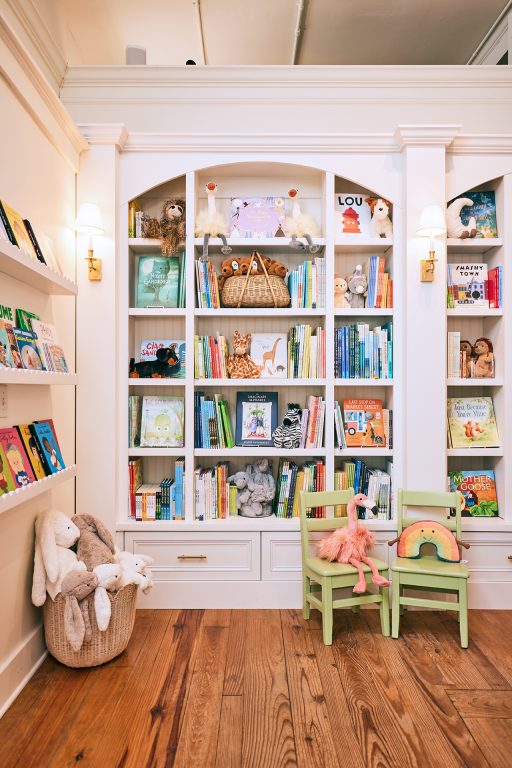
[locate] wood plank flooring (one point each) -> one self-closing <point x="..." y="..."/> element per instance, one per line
<point x="258" y="689"/>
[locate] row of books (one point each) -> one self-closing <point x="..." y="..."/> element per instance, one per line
<point x="474" y="285"/>
<point x="160" y="281"/>
<point x="28" y="452"/>
<point x="212" y="422"/>
<point x="306" y="285"/>
<point x="31" y="344"/>
<point x="291" y="480"/>
<point x="156" y="422"/>
<point x="374" y="483"/>
<point x="380" y="287"/>
<point x="210" y="357"/>
<point x="361" y="352"/>
<point x="472" y="423"/>
<point x="363" y="423"/>
<point x="19" y="232"/>
<point x="156" y="501"/>
<point x="208" y="296"/>
<point x="215" y="498"/>
<point x="312" y="423"/>
<point x="466" y="363"/>
<point x="306" y="352"/>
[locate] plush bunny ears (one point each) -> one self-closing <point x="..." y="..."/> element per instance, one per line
<point x="85" y="521"/>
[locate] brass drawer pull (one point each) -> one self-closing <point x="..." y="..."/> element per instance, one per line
<point x="510" y="557"/>
<point x="192" y="557"/>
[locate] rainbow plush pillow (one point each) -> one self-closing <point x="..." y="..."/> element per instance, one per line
<point x="428" y="532"/>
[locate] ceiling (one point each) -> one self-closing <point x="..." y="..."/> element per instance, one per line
<point x="264" y="31"/>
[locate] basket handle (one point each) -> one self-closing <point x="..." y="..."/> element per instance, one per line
<point x="257" y="256"/>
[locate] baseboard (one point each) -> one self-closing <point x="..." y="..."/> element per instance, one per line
<point x="17" y="670"/>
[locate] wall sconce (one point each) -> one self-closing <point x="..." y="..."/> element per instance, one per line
<point x="89" y="222"/>
<point x="432" y="223"/>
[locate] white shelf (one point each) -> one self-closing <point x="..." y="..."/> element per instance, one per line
<point x="156" y="451"/>
<point x="258" y="383"/>
<point x="157" y="312"/>
<point x="362" y="452"/>
<point x="147" y="245"/>
<point x="22" y="376"/>
<point x="29" y="492"/>
<point x="364" y="312"/>
<point x="359" y="244"/>
<point x="164" y="382"/>
<point x="473" y="245"/>
<point x="235" y="523"/>
<point x="363" y="382"/>
<point x="293" y="453"/>
<point x="271" y="244"/>
<point x="476" y="451"/>
<point x="259" y="312"/>
<point x="474" y="312"/>
<point x="18" y="265"/>
<point x="497" y="381"/>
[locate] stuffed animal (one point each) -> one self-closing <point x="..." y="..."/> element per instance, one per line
<point x="288" y="433"/>
<point x="466" y="349"/>
<point x="340" y="292"/>
<point x="454" y="224"/>
<point x="95" y="545"/>
<point x="240" y="365"/>
<point x="277" y="268"/>
<point x="431" y="532"/>
<point x="255" y="489"/>
<point x="300" y="225"/>
<point x="172" y="226"/>
<point x="55" y="533"/>
<point x="358" y="288"/>
<point x="76" y="587"/>
<point x="381" y="223"/>
<point x="167" y="364"/>
<point x="211" y="223"/>
<point x="241" y="480"/>
<point x="351" y="543"/>
<point x="109" y="578"/>
<point x="134" y="569"/>
<point x="484" y="358"/>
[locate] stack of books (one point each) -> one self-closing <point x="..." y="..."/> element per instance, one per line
<point x="363" y="353"/>
<point x="207" y="285"/>
<point x="380" y="287"/>
<point x="210" y="357"/>
<point x="306" y="285"/>
<point x="212" y="422"/>
<point x="31" y="344"/>
<point x="156" y="501"/>
<point x="306" y="352"/>
<point x="293" y="479"/>
<point x="374" y="483"/>
<point x="28" y="452"/>
<point x="215" y="498"/>
<point x="312" y="423"/>
<point x="474" y="285"/>
<point x="363" y="423"/>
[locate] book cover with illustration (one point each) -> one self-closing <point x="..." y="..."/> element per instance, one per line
<point x="352" y="215"/>
<point x="17" y="460"/>
<point x="54" y="357"/>
<point x="256" y="217"/>
<point x="270" y="353"/>
<point x="478" y="486"/>
<point x="49" y="446"/>
<point x="7" y="483"/>
<point x="472" y="423"/>
<point x="483" y="210"/>
<point x="6" y="356"/>
<point x="363" y="423"/>
<point x="158" y="281"/>
<point x="16" y="229"/>
<point x="149" y="347"/>
<point x="467" y="284"/>
<point x="256" y="418"/>
<point x="29" y="350"/>
<point x="163" y="422"/>
<point x="32" y="450"/>
<point x="24" y="319"/>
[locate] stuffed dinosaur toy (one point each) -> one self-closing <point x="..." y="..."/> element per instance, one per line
<point x="55" y="533"/>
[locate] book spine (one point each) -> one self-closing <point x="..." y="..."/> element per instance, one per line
<point x="33" y="240"/>
<point x="7" y="226"/>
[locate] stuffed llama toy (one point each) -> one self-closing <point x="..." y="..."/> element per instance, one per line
<point x="300" y="225"/>
<point x="55" y="533"/>
<point x="454" y="223"/>
<point x="95" y="545"/>
<point x="211" y="223"/>
<point x="109" y="578"/>
<point x="76" y="586"/>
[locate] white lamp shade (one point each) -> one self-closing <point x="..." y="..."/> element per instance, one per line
<point x="432" y="221"/>
<point x="89" y="220"/>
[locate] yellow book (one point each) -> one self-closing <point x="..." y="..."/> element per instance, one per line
<point x="299" y="486"/>
<point x="340" y="484"/>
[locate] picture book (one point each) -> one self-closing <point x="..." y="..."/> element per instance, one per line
<point x="29" y="350"/>
<point x="7" y="483"/>
<point x="256" y="418"/>
<point x="17" y="459"/>
<point x="24" y="319"/>
<point x="163" y="421"/>
<point x="32" y="450"/>
<point x="256" y="217"/>
<point x="467" y="284"/>
<point x="352" y="216"/>
<point x="471" y="423"/>
<point x="33" y="240"/>
<point x="483" y="210"/>
<point x="6" y="356"/>
<point x="158" y="281"/>
<point x="16" y="229"/>
<point x="51" y="425"/>
<point x="149" y="347"/>
<point x="363" y="423"/>
<point x="54" y="357"/>
<point x="49" y="446"/>
<point x="478" y="486"/>
<point x="270" y="353"/>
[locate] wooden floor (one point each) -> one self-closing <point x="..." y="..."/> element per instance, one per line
<point x="259" y="689"/>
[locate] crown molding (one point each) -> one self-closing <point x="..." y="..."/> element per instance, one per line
<point x="426" y="135"/>
<point x="104" y="133"/>
<point x="481" y="144"/>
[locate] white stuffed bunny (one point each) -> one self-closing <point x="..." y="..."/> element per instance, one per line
<point x="109" y="578"/>
<point x="55" y="533"/>
<point x="135" y="570"/>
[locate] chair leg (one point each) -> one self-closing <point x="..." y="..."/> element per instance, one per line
<point x="403" y="608"/>
<point x="463" y="614"/>
<point x="356" y="608"/>
<point x="384" y="609"/>
<point x="306" y="589"/>
<point x="327" y="618"/>
<point x="395" y="614"/>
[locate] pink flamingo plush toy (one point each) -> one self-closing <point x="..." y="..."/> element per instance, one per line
<point x="351" y="543"/>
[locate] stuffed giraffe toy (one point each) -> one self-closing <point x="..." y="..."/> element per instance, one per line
<point x="240" y="364"/>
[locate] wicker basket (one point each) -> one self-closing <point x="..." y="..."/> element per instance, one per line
<point x="255" y="290"/>
<point x="103" y="646"/>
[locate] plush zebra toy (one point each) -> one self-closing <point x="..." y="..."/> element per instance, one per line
<point x="288" y="433"/>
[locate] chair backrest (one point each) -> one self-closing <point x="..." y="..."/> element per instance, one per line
<point x="429" y="499"/>
<point x="321" y="499"/>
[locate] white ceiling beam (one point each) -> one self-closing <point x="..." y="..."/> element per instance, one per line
<point x="496" y="41"/>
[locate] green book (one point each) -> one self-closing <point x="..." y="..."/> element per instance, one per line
<point x="226" y="422"/>
<point x="158" y="280"/>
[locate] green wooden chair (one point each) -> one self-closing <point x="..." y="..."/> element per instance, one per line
<point x="427" y="572"/>
<point x="320" y="577"/>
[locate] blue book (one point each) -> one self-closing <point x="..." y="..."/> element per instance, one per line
<point x="49" y="447"/>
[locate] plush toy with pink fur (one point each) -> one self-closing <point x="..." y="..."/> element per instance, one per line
<point x="351" y="543"/>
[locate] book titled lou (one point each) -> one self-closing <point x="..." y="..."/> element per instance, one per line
<point x="256" y="418"/>
<point x="17" y="459"/>
<point x="472" y="423"/>
<point x="270" y="353"/>
<point x="50" y="450"/>
<point x="478" y="488"/>
<point x="352" y="215"/>
<point x="163" y="422"/>
<point x="363" y="422"/>
<point x="158" y="281"/>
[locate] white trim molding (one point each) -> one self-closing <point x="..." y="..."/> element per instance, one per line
<point x="104" y="133"/>
<point x="426" y="135"/>
<point x="17" y="670"/>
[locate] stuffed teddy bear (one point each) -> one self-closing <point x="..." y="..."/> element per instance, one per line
<point x="95" y="545"/>
<point x="109" y="578"/>
<point x="55" y="533"/>
<point x="240" y="365"/>
<point x="358" y="287"/>
<point x="288" y="433"/>
<point x="467" y="348"/>
<point x="340" y="292"/>
<point x="255" y="490"/>
<point x="381" y="223"/>
<point x="76" y="587"/>
<point x="454" y="224"/>
<point x="278" y="269"/>
<point x="484" y="359"/>
<point x="172" y="226"/>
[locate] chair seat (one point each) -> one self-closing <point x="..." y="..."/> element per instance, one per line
<point x="429" y="566"/>
<point x="325" y="568"/>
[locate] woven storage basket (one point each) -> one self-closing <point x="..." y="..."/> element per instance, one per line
<point x="255" y="290"/>
<point x="102" y="646"/>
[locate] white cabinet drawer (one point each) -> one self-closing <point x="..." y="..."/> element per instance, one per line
<point x="489" y="561"/>
<point x="199" y="556"/>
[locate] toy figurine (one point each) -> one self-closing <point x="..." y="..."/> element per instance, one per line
<point x="167" y="364"/>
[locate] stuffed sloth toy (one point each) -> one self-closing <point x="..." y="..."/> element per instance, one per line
<point x="55" y="533"/>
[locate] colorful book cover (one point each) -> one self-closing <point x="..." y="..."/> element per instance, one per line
<point x="24" y="319"/>
<point x="269" y="352"/>
<point x="17" y="459"/>
<point x="6" y="353"/>
<point x="256" y="418"/>
<point x="483" y="210"/>
<point x="7" y="483"/>
<point x="352" y="216"/>
<point x="257" y="217"/>
<point x="54" y="356"/>
<point x="478" y="486"/>
<point x="32" y="450"/>
<point x="472" y="423"/>
<point x="16" y="229"/>
<point x="33" y="240"/>
<point x="29" y="350"/>
<point x="49" y="446"/>
<point x="468" y="284"/>
<point x="163" y="422"/>
<point x="364" y="423"/>
<point x="158" y="281"/>
<point x="149" y="347"/>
